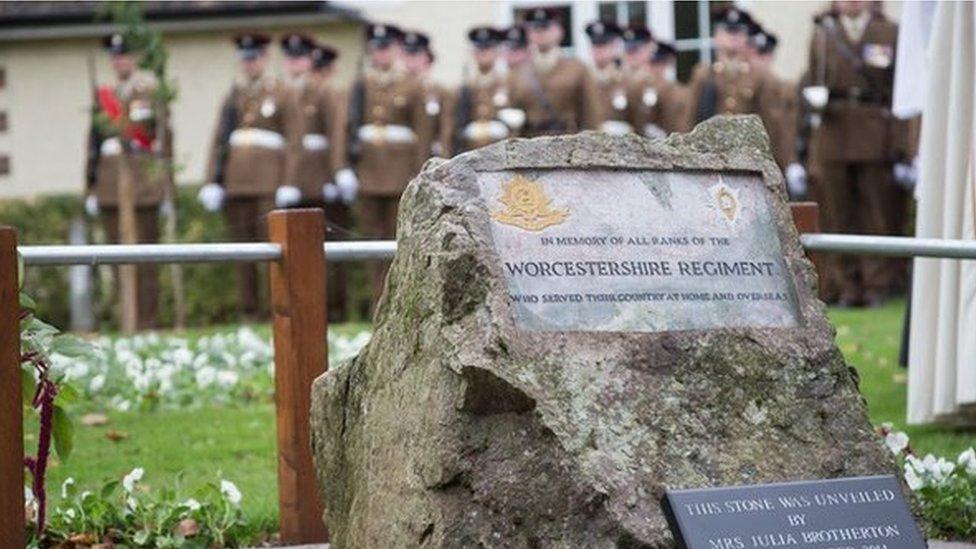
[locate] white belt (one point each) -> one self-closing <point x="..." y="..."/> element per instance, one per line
<point x="315" y="142"/>
<point x="491" y="129"/>
<point x="111" y="147"/>
<point x="256" y="137"/>
<point x="653" y="130"/>
<point x="386" y="133"/>
<point x="616" y="127"/>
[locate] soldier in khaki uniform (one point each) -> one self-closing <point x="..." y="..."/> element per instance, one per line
<point x="254" y="158"/>
<point x="124" y="123"/>
<point x="659" y="105"/>
<point x="438" y="100"/>
<point x="483" y="113"/>
<point x="516" y="44"/>
<point x="783" y="117"/>
<point x="852" y="150"/>
<point x="323" y="62"/>
<point x="732" y="85"/>
<point x="613" y="101"/>
<point x="387" y="117"/>
<point x="556" y="92"/>
<point x="323" y="152"/>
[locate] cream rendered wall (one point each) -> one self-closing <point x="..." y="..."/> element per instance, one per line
<point x="48" y="98"/>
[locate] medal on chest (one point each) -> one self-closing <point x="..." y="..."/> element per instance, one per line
<point x="433" y="107"/>
<point x="268" y="107"/>
<point x="500" y="99"/>
<point x="878" y="56"/>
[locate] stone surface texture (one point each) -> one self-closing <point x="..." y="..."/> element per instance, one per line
<point x="453" y="428"/>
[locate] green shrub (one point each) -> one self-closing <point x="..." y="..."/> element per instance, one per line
<point x="210" y="295"/>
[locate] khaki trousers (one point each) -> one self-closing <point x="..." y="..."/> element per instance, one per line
<point x="246" y="222"/>
<point x="377" y="219"/>
<point x="147" y="274"/>
<point x="858" y="198"/>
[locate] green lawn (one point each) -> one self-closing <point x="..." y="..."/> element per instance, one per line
<point x="239" y="443"/>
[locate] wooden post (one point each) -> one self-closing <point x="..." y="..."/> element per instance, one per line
<point x="806" y="216"/>
<point x="298" y="308"/>
<point x="128" y="274"/>
<point x="12" y="526"/>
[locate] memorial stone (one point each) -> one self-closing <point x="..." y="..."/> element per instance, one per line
<point x="574" y="325"/>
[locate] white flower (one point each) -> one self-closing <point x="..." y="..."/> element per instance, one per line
<point x="887" y="426"/>
<point x="912" y="479"/>
<point x="230" y="492"/>
<point x="131" y="503"/>
<point x="130" y="480"/>
<point x="227" y="378"/>
<point x="85" y="495"/>
<point x="967" y="459"/>
<point x="896" y="441"/>
<point x="68" y="483"/>
<point x="96" y="383"/>
<point x="69" y="512"/>
<point x="192" y="504"/>
<point x="206" y="376"/>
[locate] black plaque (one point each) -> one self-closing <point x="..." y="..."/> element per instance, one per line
<point x="844" y="513"/>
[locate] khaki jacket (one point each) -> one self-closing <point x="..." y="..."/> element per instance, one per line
<point x="390" y="104"/>
<point x="565" y="83"/>
<point x="614" y="102"/>
<point x="737" y="88"/>
<point x="477" y="106"/>
<point x="658" y="105"/>
<point x="437" y="129"/>
<point x="125" y="114"/>
<point x="857" y="125"/>
<point x="249" y="167"/>
<point x="323" y="115"/>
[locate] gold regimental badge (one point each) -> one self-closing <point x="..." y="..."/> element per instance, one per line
<point x="527" y="206"/>
<point x="727" y="201"/>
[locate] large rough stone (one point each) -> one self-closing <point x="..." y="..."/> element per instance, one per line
<point x="453" y="428"/>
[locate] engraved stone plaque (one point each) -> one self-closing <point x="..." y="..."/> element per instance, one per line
<point x="638" y="250"/>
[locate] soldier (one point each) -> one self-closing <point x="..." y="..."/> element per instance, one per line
<point x="124" y="124"/>
<point x="387" y="116"/>
<point x="323" y="62"/>
<point x="852" y="61"/>
<point x="638" y="47"/>
<point x="418" y="59"/>
<point x="516" y="44"/>
<point x="256" y="151"/>
<point x="556" y="92"/>
<point x="783" y="112"/>
<point x="664" y="62"/>
<point x="658" y="105"/>
<point x="611" y="86"/>
<point x="483" y="114"/>
<point x="731" y="85"/>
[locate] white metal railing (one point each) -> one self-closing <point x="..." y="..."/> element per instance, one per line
<point x="365" y="250"/>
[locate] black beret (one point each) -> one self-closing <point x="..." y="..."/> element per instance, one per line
<point x="297" y="45"/>
<point x="601" y="32"/>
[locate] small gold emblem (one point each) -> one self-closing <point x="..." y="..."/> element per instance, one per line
<point x="527" y="206"/>
<point x="726" y="200"/>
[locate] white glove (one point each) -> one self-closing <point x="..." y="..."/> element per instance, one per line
<point x="166" y="209"/>
<point x="513" y="118"/>
<point x="91" y="205"/>
<point x="347" y="184"/>
<point x="905" y="174"/>
<point x="330" y="193"/>
<point x="287" y="195"/>
<point x="796" y="179"/>
<point x="211" y="196"/>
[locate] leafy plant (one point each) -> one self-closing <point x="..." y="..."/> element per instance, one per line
<point x="945" y="489"/>
<point x="46" y="392"/>
<point x="130" y="513"/>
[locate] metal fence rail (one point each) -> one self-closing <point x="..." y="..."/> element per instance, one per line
<point x="364" y="250"/>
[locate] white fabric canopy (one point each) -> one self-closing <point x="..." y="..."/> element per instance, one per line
<point x="942" y="359"/>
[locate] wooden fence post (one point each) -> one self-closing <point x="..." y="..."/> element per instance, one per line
<point x="12" y="526"/>
<point x="298" y="309"/>
<point x="806" y="216"/>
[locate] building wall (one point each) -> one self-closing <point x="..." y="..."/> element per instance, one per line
<point x="48" y="100"/>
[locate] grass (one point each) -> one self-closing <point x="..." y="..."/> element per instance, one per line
<point x="239" y="443"/>
<point x="870" y="341"/>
